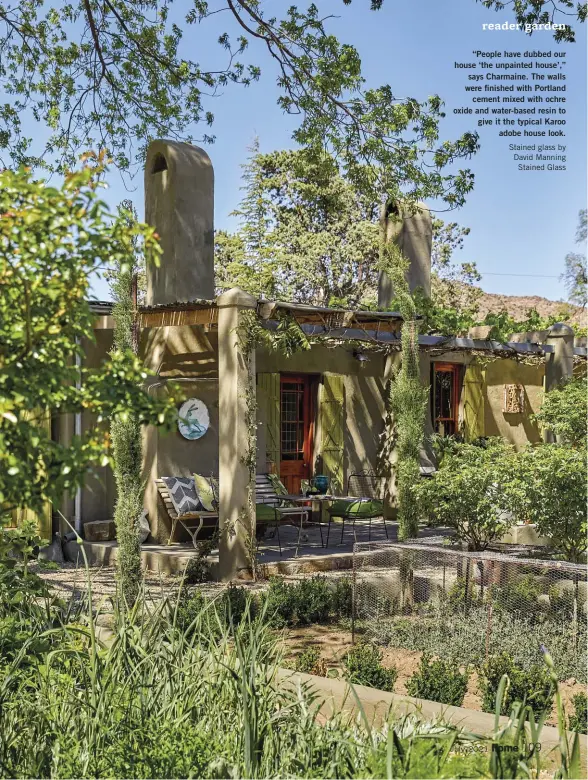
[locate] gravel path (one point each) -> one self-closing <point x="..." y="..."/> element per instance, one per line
<point x="69" y="581"/>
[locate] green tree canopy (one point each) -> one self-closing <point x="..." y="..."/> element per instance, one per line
<point x="548" y="488"/>
<point x="470" y="492"/>
<point x="51" y="240"/>
<point x="564" y="411"/>
<point x="115" y="74"/>
<point x="305" y="234"/>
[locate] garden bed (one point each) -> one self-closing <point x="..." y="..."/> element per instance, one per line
<point x="334" y="642"/>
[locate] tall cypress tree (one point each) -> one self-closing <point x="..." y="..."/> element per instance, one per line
<point x="125" y="431"/>
<point x="407" y="398"/>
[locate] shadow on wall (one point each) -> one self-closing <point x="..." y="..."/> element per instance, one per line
<point x="180" y="351"/>
<point x="364" y="423"/>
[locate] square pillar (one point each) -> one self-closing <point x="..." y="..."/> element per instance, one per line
<point x="559" y="365"/>
<point x="237" y="438"/>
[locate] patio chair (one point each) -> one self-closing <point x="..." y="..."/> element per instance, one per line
<point x="369" y="491"/>
<point x="272" y="510"/>
<point x="192" y="522"/>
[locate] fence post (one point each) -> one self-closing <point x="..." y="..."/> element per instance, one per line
<point x="482" y="572"/>
<point x="488" y="628"/>
<point x="467" y="586"/>
<point x="575" y="618"/>
<point x="353" y="597"/>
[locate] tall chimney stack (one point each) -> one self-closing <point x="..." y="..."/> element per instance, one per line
<point x="179" y="204"/>
<point x="412" y="232"/>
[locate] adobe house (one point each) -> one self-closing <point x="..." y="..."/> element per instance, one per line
<point x="317" y="411"/>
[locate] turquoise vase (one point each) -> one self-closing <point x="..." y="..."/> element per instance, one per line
<point x="321" y="483"/>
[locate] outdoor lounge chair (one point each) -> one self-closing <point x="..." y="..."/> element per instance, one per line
<point x="272" y="510"/>
<point x="369" y="491"/>
<point x="192" y="522"/>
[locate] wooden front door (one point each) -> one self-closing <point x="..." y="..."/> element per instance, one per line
<point x="295" y="430"/>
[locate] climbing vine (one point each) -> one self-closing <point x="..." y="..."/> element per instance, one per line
<point x="406" y="398"/>
<point x="287" y="339"/>
<point x="250" y="335"/>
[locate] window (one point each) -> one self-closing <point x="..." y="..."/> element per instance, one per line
<point x="445" y="398"/>
<point x="293" y="419"/>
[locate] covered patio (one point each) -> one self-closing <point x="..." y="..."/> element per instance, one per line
<point x="279" y="413"/>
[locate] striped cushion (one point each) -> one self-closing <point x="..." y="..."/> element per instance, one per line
<point x="277" y="484"/>
<point x="183" y="494"/>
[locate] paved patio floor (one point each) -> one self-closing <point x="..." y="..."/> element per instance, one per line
<point x="310" y="544"/>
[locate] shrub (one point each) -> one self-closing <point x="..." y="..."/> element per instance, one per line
<point x="309" y="662"/>
<point x="531" y="685"/>
<point x="198" y="569"/>
<point x="438" y="680"/>
<point x="235" y="602"/>
<point x="456" y="595"/>
<point x="519" y="596"/>
<point x="190" y="605"/>
<point x="307" y="601"/>
<point x="314" y="599"/>
<point x="342" y="598"/>
<point x="469" y="493"/>
<point x="280" y="601"/>
<point x="579" y="720"/>
<point x="363" y="664"/>
<point x="563" y="411"/>
<point x="559" y="473"/>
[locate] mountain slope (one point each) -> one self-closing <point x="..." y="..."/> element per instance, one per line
<point x="518" y="306"/>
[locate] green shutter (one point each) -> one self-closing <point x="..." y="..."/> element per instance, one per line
<point x="473" y="402"/>
<point x="268" y="386"/>
<point x="332" y="416"/>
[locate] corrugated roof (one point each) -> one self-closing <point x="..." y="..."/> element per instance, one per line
<point x="336" y="323"/>
<point x="101" y="307"/>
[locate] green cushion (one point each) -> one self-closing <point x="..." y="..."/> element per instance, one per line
<point x="372" y="508"/>
<point x="264" y="513"/>
<point x="205" y="493"/>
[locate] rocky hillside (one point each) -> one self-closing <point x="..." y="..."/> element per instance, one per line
<point x="518" y="306"/>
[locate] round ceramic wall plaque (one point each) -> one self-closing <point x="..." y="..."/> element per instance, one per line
<point x="193" y="419"/>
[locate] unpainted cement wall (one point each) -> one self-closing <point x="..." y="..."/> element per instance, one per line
<point x="518" y="429"/>
<point x="98" y="491"/>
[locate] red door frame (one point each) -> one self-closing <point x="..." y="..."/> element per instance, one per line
<point x="453" y="369"/>
<point x="292" y="471"/>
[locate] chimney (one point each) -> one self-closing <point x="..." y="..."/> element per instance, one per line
<point x="179" y="204"/>
<point x="412" y="231"/>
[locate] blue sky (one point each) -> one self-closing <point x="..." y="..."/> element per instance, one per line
<point x="521" y="222"/>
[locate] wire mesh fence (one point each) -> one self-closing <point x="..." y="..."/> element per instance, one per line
<point x="468" y="606"/>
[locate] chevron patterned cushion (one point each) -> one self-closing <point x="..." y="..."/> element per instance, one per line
<point x="183" y="494"/>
